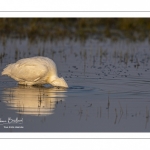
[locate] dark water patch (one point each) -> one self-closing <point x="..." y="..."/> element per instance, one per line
<point x="80" y="90"/>
<point x="77" y="87"/>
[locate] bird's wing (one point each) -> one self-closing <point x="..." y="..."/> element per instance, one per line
<point x="29" y="71"/>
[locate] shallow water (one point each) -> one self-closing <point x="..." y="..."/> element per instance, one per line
<point x="108" y="87"/>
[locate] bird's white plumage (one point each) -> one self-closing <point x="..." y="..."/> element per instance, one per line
<point x="35" y="70"/>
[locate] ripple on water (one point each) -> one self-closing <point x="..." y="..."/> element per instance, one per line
<point x="81" y="89"/>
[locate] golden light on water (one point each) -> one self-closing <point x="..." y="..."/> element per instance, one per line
<point x="33" y="100"/>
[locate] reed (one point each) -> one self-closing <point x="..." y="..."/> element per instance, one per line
<point x="116" y="116"/>
<point x="147" y="113"/>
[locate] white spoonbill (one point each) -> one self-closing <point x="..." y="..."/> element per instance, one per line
<point x="35" y="71"/>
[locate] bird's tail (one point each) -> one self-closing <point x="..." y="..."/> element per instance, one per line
<point x="7" y="70"/>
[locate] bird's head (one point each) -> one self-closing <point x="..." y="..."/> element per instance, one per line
<point x="60" y="82"/>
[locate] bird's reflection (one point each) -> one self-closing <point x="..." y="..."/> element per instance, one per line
<point x="33" y="100"/>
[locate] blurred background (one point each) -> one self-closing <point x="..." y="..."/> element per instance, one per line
<point x="100" y="28"/>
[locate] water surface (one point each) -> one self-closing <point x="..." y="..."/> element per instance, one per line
<point x="108" y="87"/>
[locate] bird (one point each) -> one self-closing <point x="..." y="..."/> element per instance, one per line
<point x="36" y="70"/>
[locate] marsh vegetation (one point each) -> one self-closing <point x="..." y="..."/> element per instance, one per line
<point x="55" y="28"/>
